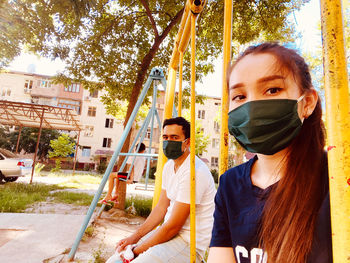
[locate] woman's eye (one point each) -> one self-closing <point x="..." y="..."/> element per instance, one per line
<point x="238" y="97"/>
<point x="273" y="90"/>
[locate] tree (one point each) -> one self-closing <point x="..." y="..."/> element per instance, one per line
<point x="27" y="142"/>
<point x="201" y="140"/>
<point x="62" y="147"/>
<point x="186" y="93"/>
<point x="118" y="42"/>
<point x="315" y="59"/>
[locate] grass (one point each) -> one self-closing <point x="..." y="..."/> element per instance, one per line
<point x="97" y="254"/>
<point x="81" y="181"/>
<point x="142" y="205"/>
<point x="72" y="198"/>
<point x="16" y="197"/>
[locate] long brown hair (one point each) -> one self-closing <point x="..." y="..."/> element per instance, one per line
<point x="290" y="212"/>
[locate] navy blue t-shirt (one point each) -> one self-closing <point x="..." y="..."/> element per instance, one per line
<point x="238" y="209"/>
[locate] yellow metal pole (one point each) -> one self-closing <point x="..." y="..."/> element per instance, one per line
<point x="193" y="136"/>
<point x="224" y="99"/>
<point x="168" y="111"/>
<point x="185" y="38"/>
<point x="169" y="102"/>
<point x="183" y="35"/>
<point x="338" y="123"/>
<point x="179" y="109"/>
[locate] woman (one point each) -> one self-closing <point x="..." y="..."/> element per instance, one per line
<point x="275" y="207"/>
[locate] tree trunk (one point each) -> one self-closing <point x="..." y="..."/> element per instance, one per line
<point x="141" y="75"/>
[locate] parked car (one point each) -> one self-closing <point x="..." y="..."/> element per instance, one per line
<point x="11" y="166"/>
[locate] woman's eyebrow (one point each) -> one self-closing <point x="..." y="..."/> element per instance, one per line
<point x="269" y="78"/>
<point x="237" y="85"/>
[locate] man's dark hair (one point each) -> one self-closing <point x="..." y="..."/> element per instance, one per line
<point x="186" y="126"/>
<point x="142" y="147"/>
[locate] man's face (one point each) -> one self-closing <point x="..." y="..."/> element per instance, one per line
<point x="174" y="132"/>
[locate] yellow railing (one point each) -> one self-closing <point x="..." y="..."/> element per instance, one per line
<point x="223" y="160"/>
<point x="338" y="126"/>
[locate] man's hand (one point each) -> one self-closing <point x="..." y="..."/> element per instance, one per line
<point x="133" y="239"/>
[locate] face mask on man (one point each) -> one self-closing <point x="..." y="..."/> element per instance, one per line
<point x="173" y="149"/>
<point x="265" y="126"/>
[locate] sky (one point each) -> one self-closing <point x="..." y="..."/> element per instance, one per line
<point x="306" y="20"/>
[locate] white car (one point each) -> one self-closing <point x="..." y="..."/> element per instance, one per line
<point x="11" y="167"/>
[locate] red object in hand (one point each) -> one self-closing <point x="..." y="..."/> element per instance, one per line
<point x="330" y="148"/>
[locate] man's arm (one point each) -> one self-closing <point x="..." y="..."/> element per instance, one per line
<point x="168" y="230"/>
<point x="154" y="219"/>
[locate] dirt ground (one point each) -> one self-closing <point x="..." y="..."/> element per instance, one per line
<point x="99" y="241"/>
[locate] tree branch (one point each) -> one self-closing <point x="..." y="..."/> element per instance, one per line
<point x="173" y="22"/>
<point x="149" y="14"/>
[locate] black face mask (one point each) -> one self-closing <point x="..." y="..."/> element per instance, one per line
<point x="265" y="126"/>
<point x="173" y="149"/>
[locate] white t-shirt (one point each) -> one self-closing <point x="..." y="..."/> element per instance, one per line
<point x="178" y="188"/>
<point x="139" y="165"/>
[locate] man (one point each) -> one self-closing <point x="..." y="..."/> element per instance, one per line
<point x="139" y="165"/>
<point x="135" y="175"/>
<point x="170" y="241"/>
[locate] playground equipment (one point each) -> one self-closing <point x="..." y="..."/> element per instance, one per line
<point x="156" y="74"/>
<point x="337" y="101"/>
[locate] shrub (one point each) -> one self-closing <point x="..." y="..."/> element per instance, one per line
<point x="57" y="167"/>
<point x="143" y="206"/>
<point x="215" y="175"/>
<point x="38" y="167"/>
<point x="101" y="168"/>
<point x="152" y="172"/>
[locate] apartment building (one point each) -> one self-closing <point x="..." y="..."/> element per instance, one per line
<point x="208" y="115"/>
<point x="16" y="86"/>
<point x="101" y="132"/>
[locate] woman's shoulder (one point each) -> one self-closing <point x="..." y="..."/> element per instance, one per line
<point x="239" y="174"/>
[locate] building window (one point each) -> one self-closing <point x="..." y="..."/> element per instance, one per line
<point x="44" y="83"/>
<point x="75" y="87"/>
<point x="92" y="111"/>
<point x="215" y="161"/>
<point x="215" y="143"/>
<point x="217" y="103"/>
<point x="107" y="142"/>
<point x="109" y="123"/>
<point x="216" y="126"/>
<point x="28" y="85"/>
<point x="201" y="114"/>
<point x="5" y="92"/>
<point x="89" y="131"/>
<point x="94" y="94"/>
<point x="86" y="151"/>
<point x="70" y="104"/>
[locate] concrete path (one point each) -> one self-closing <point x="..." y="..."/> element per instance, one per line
<point x="32" y="238"/>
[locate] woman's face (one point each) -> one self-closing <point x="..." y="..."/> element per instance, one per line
<point x="256" y="77"/>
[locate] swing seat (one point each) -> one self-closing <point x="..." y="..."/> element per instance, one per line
<point x="122" y="176"/>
